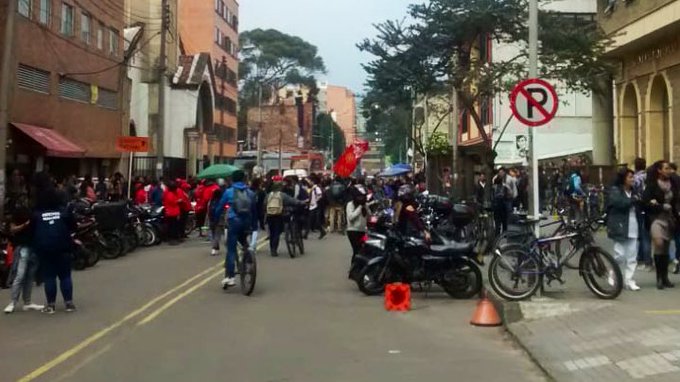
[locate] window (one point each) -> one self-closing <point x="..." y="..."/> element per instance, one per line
<point x="113" y="42"/>
<point x="85" y="28"/>
<point x="465" y="123"/>
<point x="66" y="19"/>
<point x="74" y="90"/>
<point x="33" y="79"/>
<point x="218" y="36"/>
<point x="100" y="36"/>
<point x="107" y="99"/>
<point x="45" y="11"/>
<point x="24" y="8"/>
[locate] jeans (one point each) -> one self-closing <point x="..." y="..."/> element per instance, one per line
<point x="317" y="220"/>
<point x="500" y="217"/>
<point x="355" y="241"/>
<point x="216" y="234"/>
<point x="57" y="265"/>
<point x="275" y="223"/>
<point x="24" y="268"/>
<point x="645" y="248"/>
<point x="237" y="232"/>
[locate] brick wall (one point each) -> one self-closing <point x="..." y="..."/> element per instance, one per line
<point x="282" y="121"/>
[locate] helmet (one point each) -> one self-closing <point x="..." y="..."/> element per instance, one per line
<point x="406" y="192"/>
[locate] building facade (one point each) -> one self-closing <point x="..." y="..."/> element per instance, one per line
<point x="646" y="50"/>
<point x="340" y="103"/>
<point x="211" y="26"/>
<point x="66" y="101"/>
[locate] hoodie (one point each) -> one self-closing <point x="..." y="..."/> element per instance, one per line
<point x="228" y="199"/>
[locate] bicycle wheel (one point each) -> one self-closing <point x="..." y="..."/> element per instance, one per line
<point x="300" y="242"/>
<point x="290" y="240"/>
<point x="601" y="273"/>
<point x="515" y="274"/>
<point x="565" y="247"/>
<point x="248" y="272"/>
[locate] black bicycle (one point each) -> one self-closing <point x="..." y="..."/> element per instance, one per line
<point x="246" y="266"/>
<point x="516" y="272"/>
<point x="293" y="235"/>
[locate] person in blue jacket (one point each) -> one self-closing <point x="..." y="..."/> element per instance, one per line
<point x="241" y="221"/>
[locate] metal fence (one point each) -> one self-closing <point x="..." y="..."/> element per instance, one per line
<point x="172" y="167"/>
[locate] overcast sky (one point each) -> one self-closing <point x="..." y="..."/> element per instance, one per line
<point x="334" y="26"/>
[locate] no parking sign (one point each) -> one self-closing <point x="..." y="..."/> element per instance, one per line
<point x="534" y="102"/>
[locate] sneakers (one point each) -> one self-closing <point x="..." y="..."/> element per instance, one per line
<point x="228" y="282"/>
<point x="322" y="235"/>
<point x="33" y="307"/>
<point x="10" y="308"/>
<point x="70" y="307"/>
<point x="49" y="309"/>
<point x="214" y="252"/>
<point x="632" y="286"/>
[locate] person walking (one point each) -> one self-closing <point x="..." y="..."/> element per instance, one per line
<point x="87" y="189"/>
<point x="316" y="207"/>
<point x="645" y="248"/>
<point x="217" y="220"/>
<point x="52" y="226"/>
<point x="336" y="200"/>
<point x="481" y="191"/>
<point x="356" y="213"/>
<point x="172" y="209"/>
<point x="661" y="198"/>
<point x="501" y="198"/>
<point x="25" y="263"/>
<point x="623" y="225"/>
<point x="277" y="202"/>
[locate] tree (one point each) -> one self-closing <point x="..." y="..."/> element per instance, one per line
<point x="269" y="61"/>
<point x="438" y="48"/>
<point x="322" y="140"/>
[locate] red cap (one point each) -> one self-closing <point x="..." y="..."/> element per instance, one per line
<point x="277" y="178"/>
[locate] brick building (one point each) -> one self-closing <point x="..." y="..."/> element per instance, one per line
<point x="340" y="103"/>
<point x="66" y="106"/>
<point x="283" y="122"/>
<point x="211" y="26"/>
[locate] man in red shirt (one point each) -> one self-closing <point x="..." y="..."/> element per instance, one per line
<point x="171" y="205"/>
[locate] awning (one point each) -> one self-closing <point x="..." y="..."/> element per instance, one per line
<point x="54" y="143"/>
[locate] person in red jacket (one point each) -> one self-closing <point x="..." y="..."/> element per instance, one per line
<point x="171" y="205"/>
<point x="201" y="207"/>
<point x="140" y="194"/>
<point x="185" y="207"/>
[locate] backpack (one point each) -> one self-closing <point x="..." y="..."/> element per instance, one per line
<point x="571" y="185"/>
<point x="242" y="202"/>
<point x="337" y="191"/>
<point x="275" y="203"/>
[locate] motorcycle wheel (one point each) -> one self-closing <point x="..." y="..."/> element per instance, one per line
<point x="131" y="241"/>
<point x="190" y="225"/>
<point x="92" y="254"/>
<point x="371" y="280"/>
<point x="79" y="259"/>
<point x="112" y="245"/>
<point x="463" y="280"/>
<point x="149" y="236"/>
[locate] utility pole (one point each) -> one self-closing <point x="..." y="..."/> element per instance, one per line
<point x="5" y="88"/>
<point x="162" y="68"/>
<point x="534" y="208"/>
<point x="259" y="126"/>
<point x="224" y="104"/>
<point x="454" y="141"/>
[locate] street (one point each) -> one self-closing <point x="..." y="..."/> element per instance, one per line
<point x="160" y="315"/>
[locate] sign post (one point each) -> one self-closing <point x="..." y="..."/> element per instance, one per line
<point x="132" y="145"/>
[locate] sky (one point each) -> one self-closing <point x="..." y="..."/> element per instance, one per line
<point x="334" y="26"/>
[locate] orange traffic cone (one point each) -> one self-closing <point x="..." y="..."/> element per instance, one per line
<point x="397" y="297"/>
<point x="485" y="314"/>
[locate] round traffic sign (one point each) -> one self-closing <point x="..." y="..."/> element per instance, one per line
<point x="534" y="102"/>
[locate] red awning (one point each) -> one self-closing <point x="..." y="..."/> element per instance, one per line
<point x="54" y="143"/>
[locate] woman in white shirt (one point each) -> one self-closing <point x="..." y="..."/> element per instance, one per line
<point x="623" y="225"/>
<point x="356" y="213"/>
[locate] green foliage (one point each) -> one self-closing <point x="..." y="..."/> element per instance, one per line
<point x="438" y="144"/>
<point x="325" y="126"/>
<point x="270" y="60"/>
<point x="437" y="47"/>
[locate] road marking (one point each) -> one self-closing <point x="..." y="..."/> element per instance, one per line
<point x="663" y="312"/>
<point x="180" y="296"/>
<point x="63" y="357"/>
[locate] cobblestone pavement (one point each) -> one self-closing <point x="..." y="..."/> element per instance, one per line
<point x="574" y="336"/>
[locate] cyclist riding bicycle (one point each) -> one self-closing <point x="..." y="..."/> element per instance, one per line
<point x="241" y="221"/>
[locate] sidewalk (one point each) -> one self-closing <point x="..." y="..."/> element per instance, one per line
<point x="574" y="336"/>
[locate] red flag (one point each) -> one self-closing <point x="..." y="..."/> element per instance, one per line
<point x="349" y="159"/>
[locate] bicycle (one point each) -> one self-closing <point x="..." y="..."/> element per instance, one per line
<point x="527" y="269"/>
<point x="246" y="266"/>
<point x="293" y="235"/>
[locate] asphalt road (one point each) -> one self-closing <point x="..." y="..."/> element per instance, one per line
<point x="160" y="315"/>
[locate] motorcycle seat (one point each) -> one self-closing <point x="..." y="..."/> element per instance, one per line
<point x="452" y="249"/>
